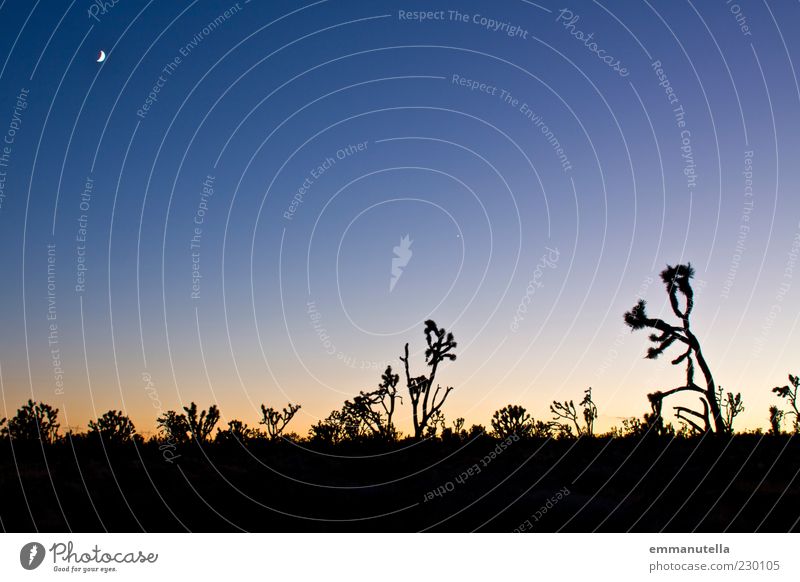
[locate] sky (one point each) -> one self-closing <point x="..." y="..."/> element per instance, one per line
<point x="216" y="211"/>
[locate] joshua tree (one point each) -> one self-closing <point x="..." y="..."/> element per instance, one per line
<point x="114" y="427"/>
<point x="426" y="403"/>
<point x="373" y="411"/>
<point x="589" y="411"/>
<point x="276" y="421"/>
<point x="34" y="421"/>
<point x="677" y="281"/>
<point x="731" y="406"/>
<point x="789" y="393"/>
<point x="775" y="418"/>
<point x="437" y="421"/>
<point x="174" y="426"/>
<point x="203" y="425"/>
<point x="333" y="429"/>
<point x="512" y="419"/>
<point x="3" y="430"/>
<point x="565" y="415"/>
<point x="237" y="431"/>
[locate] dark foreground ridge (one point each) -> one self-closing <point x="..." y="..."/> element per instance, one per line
<point x="650" y="483"/>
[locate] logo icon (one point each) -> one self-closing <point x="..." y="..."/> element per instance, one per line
<point x="400" y="260"/>
<point x="31" y="555"/>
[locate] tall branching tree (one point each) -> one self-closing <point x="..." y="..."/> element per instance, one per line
<point x="681" y="300"/>
<point x="426" y="402"/>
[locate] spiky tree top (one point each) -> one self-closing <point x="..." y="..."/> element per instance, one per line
<point x="677" y="281"/>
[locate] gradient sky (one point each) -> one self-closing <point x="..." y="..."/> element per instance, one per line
<point x="294" y="301"/>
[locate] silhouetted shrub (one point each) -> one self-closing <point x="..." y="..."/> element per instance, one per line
<point x="34" y="421"/>
<point x="374" y="411"/>
<point x="113" y="427"/>
<point x="512" y="419"/>
<point x="276" y="421"/>
<point x="565" y="416"/>
<point x="173" y="426"/>
<point x="730" y="406"/>
<point x="201" y="426"/>
<point x="789" y="394"/>
<point x="476" y="430"/>
<point x="333" y="429"/>
<point x="237" y="432"/>
<point x="775" y="419"/>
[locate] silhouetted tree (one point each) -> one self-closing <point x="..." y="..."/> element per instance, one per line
<point x="34" y="421"/>
<point x="436" y="422"/>
<point x="3" y="429"/>
<point x="113" y="426"/>
<point x="237" y="431"/>
<point x="565" y="416"/>
<point x="332" y="430"/>
<point x="512" y="419"/>
<point x="426" y="403"/>
<point x="476" y="430"/>
<point x="731" y="407"/>
<point x="789" y="394"/>
<point x="589" y="411"/>
<point x="775" y="418"/>
<point x="276" y="421"/>
<point x="373" y="411"/>
<point x="173" y="426"/>
<point x="201" y="426"/>
<point x="677" y="281"/>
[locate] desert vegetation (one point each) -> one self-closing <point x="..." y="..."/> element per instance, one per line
<point x="438" y="460"/>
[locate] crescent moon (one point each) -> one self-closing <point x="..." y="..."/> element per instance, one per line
<point x="101" y="57"/>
